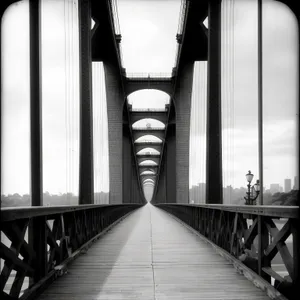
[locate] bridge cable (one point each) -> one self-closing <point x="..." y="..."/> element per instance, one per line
<point x="72" y="129"/>
<point x="224" y="115"/>
<point x="65" y="75"/>
<point x="77" y="110"/>
<point x="233" y="89"/>
<point x="204" y="126"/>
<point x="69" y="98"/>
<point x="69" y="94"/>
<point x="223" y="78"/>
<point x="231" y="98"/>
<point x="230" y="94"/>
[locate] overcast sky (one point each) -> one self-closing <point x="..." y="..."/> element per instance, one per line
<point x="148" y="31"/>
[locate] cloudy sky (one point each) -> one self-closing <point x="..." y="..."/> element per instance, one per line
<point x="148" y="31"/>
<point x="153" y="41"/>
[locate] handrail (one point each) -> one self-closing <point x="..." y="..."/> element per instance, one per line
<point x="16" y="213"/>
<point x="262" y="210"/>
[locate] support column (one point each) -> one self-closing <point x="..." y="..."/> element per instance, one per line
<point x="160" y="192"/>
<point x="131" y="190"/>
<point x="171" y="164"/>
<point x="35" y="105"/>
<point x="86" y="173"/>
<point x="136" y="193"/>
<point x="183" y="96"/>
<point x="214" y="138"/>
<point x="127" y="162"/>
<point x="115" y="100"/>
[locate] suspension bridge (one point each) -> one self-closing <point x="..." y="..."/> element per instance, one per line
<point x="147" y="239"/>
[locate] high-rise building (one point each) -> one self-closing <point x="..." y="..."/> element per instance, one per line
<point x="296" y="183"/>
<point x="287" y="185"/>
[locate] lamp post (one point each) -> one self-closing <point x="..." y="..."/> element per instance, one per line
<point x="251" y="198"/>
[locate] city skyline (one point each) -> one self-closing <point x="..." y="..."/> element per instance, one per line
<point x="294" y="186"/>
<point x="236" y="195"/>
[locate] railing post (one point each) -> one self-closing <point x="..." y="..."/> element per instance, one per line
<point x="38" y="241"/>
<point x="86" y="173"/>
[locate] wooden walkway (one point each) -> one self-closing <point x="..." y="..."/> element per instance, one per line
<point x="150" y="255"/>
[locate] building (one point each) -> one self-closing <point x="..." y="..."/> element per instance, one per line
<point x="287" y="185"/>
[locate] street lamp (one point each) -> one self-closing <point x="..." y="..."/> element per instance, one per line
<point x="251" y="197"/>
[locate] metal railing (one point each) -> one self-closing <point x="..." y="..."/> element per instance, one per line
<point x="252" y="238"/>
<point x="56" y="235"/>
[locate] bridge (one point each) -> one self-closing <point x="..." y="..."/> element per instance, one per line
<point x="135" y="223"/>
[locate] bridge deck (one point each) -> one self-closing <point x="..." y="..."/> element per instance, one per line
<point x="150" y="255"/>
